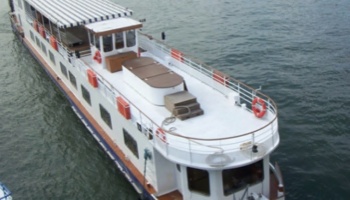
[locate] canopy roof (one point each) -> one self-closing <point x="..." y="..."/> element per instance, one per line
<point x="112" y="26"/>
<point x="70" y="13"/>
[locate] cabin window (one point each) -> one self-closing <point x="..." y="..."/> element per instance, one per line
<point x="107" y="43"/>
<point x="43" y="48"/>
<point x="106" y="117"/>
<point x="131" y="143"/>
<point x="238" y="178"/>
<point x="91" y="38"/>
<point x="32" y="36"/>
<point x="198" y="180"/>
<point x="119" y="41"/>
<point x="72" y="79"/>
<point x="86" y="94"/>
<point x="20" y="4"/>
<point x="37" y="41"/>
<point x="52" y="58"/>
<point x="97" y="42"/>
<point x="130" y="38"/>
<point x="63" y="68"/>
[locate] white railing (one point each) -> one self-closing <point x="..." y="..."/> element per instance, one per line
<point x="266" y="136"/>
<point x="189" y="64"/>
<point x="176" y="144"/>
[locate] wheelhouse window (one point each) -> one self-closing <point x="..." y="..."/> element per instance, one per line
<point x="96" y="42"/>
<point x="63" y="68"/>
<point x="238" y="178"/>
<point x="119" y="41"/>
<point x="72" y="79"/>
<point x="106" y="117"/>
<point x="198" y="181"/>
<point x="130" y="38"/>
<point x="131" y="143"/>
<point x="86" y="94"/>
<point x="107" y="43"/>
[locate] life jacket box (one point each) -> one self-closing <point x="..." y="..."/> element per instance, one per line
<point x="53" y="42"/>
<point x="123" y="107"/>
<point x="92" y="78"/>
<point x="114" y="63"/>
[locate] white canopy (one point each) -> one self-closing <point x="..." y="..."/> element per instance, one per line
<point x="70" y="13"/>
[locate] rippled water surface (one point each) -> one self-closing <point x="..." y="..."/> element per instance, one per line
<point x="298" y="51"/>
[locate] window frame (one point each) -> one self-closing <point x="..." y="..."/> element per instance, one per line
<point x="106" y="116"/>
<point x="198" y="180"/>
<point x="85" y="94"/>
<point x="131" y="143"/>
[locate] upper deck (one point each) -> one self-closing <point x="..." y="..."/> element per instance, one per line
<point x="227" y="134"/>
<point x="223" y="136"/>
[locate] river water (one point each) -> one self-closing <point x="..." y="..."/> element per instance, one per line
<point x="298" y="51"/>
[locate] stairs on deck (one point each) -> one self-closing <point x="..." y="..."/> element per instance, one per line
<point x="183" y="105"/>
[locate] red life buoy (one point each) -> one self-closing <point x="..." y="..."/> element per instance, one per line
<point x="161" y="134"/>
<point x="97" y="57"/>
<point x="259" y="113"/>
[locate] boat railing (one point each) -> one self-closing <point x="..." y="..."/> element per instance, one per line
<point x="186" y="147"/>
<point x="206" y="74"/>
<point x="62" y="49"/>
<point x="6" y="191"/>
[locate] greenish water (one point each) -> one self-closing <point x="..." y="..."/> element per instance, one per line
<point x="299" y="51"/>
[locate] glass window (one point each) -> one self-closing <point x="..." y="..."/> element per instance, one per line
<point x="238" y="178"/>
<point x="20" y="4"/>
<point x="32" y="35"/>
<point x="130" y="143"/>
<point x="119" y="41"/>
<point x="86" y="94"/>
<point x="97" y="42"/>
<point x="37" y="41"/>
<point x="106" y="117"/>
<point x="52" y="58"/>
<point x="43" y="48"/>
<point x="63" y="69"/>
<point x="72" y="79"/>
<point x="130" y="38"/>
<point x="107" y="43"/>
<point x="198" y="180"/>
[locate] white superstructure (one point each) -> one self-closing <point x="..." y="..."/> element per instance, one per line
<point x="177" y="129"/>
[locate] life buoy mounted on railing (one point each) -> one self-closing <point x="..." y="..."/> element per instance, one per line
<point x="98" y="57"/>
<point x="161" y="134"/>
<point x="259" y="111"/>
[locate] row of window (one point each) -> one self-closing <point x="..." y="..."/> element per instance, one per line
<point x="115" y="41"/>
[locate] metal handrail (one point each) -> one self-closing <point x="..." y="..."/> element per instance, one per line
<point x="241" y="88"/>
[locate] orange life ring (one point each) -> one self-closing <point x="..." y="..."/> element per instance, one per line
<point x="259" y="113"/>
<point x="97" y="57"/>
<point x="161" y="134"/>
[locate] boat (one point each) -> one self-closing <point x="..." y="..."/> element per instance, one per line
<point x="5" y="193"/>
<point x="174" y="126"/>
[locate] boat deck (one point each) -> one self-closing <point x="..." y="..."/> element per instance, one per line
<point x="230" y="119"/>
